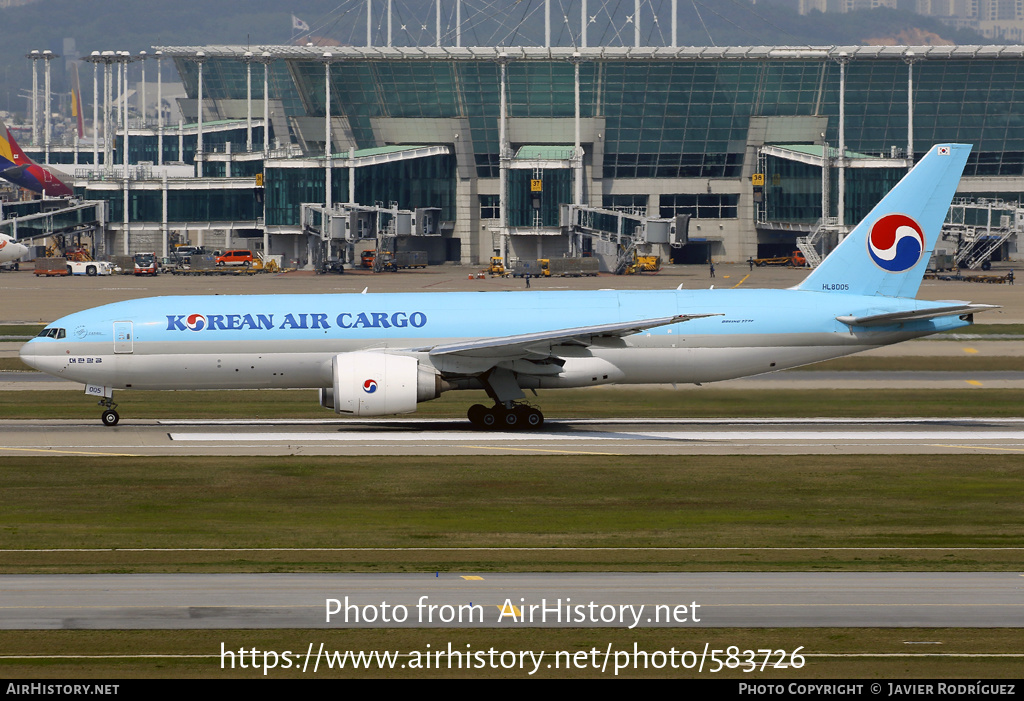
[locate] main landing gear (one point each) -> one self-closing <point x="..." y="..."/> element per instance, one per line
<point x="507" y="416"/>
<point x="109" y="417"/>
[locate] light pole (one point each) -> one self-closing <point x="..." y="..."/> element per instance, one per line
<point x="35" y="55"/>
<point x="247" y="57"/>
<point x="265" y="60"/>
<point x="47" y="57"/>
<point x="159" y="109"/>
<point x="327" y="58"/>
<point x="142" y="105"/>
<point x="200" y="55"/>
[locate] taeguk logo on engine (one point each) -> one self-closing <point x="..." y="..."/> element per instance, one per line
<point x="370" y="386"/>
<point x="195" y="322"/>
<point x="896" y="243"/>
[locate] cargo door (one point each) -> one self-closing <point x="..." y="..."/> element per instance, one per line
<point x="123" y="337"/>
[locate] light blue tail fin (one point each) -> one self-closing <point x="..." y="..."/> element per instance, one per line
<point x="887" y="253"/>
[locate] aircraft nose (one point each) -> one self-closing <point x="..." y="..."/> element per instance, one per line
<point x="29" y="356"/>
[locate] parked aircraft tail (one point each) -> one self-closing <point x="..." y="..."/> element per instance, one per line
<point x="76" y="100"/>
<point x="887" y="252"/>
<point x="18" y="168"/>
<point x="7" y="148"/>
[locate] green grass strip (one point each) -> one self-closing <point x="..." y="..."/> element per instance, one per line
<point x="449" y="503"/>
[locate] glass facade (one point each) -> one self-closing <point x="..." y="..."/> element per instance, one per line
<point x="144" y="148"/>
<point x="63" y="157"/>
<point x="701" y="206"/>
<point x="418" y="182"/>
<point x="627" y="203"/>
<point x="528" y="207"/>
<point x="666" y="118"/>
<point x="193" y="205"/>
<point x="793" y="190"/>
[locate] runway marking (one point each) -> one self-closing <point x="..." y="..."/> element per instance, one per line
<point x="518" y="548"/>
<point x="539" y="450"/>
<point x="769" y="421"/>
<point x="692" y="436"/>
<point x="974" y="383"/>
<point x="69" y="452"/>
<point x="970" y="350"/>
<point x="472" y="577"/>
<point x="979" y="447"/>
<point x="741" y="281"/>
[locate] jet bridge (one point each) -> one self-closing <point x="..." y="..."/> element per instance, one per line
<point x="617" y="236"/>
<point x="333" y="232"/>
<point x="69" y="220"/>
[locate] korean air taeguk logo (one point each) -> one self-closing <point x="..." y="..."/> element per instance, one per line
<point x="195" y="322"/>
<point x="370" y="386"/>
<point x="896" y="243"/>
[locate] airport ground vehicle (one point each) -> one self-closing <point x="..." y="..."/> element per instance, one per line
<point x="380" y="354"/>
<point x="182" y="255"/>
<point x="392" y="262"/>
<point x="643" y="264"/>
<point x="90" y="267"/>
<point x="496" y="266"/>
<point x="557" y="267"/>
<point x="64" y="266"/>
<point x="367" y="257"/>
<point x="795" y="259"/>
<point x="569" y="267"/>
<point x="410" y="259"/>
<point x="238" y="256"/>
<point x="146" y="264"/>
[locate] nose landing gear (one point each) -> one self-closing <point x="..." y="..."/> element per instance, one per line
<point x="109" y="417"/>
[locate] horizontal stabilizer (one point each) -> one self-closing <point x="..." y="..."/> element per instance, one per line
<point x="914" y="315"/>
<point x="14" y="172"/>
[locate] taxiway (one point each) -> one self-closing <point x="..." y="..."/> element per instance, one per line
<point x="622" y="436"/>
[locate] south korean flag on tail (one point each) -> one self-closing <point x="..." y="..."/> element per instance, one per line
<point x="298" y="25"/>
<point x="943" y="150"/>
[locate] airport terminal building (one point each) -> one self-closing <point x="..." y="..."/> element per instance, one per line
<point x="485" y="147"/>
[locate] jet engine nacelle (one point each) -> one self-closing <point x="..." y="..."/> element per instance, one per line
<point x="378" y="384"/>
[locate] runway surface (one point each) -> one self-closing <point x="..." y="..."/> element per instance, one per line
<point x="622" y="436"/>
<point x="619" y="600"/>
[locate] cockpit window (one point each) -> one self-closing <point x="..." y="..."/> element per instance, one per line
<point x="51" y="333"/>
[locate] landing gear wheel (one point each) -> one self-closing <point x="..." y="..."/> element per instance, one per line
<point x="534" y="418"/>
<point x="476" y="414"/>
<point x="110" y="417"/>
<point x="490" y="417"/>
<point x="513" y="419"/>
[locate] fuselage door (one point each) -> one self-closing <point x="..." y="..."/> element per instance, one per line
<point x="123" y="337"/>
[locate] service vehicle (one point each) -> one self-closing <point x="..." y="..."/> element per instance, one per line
<point x="146" y="264"/>
<point x="496" y="266"/>
<point x="238" y="256"/>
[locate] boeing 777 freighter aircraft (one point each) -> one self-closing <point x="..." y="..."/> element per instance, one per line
<point x="377" y="354"/>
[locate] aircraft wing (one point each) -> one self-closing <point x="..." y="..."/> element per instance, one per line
<point x="914" y="315"/>
<point x="540" y="343"/>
